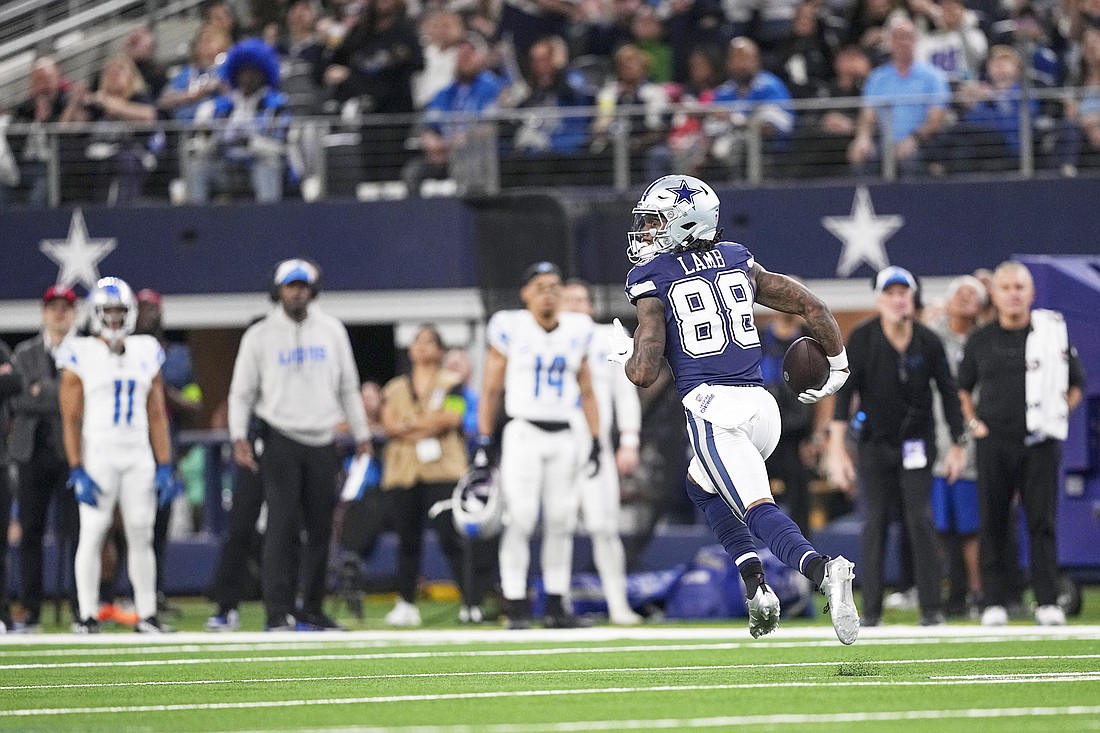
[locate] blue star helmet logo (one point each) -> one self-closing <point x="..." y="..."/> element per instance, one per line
<point x="684" y="192"/>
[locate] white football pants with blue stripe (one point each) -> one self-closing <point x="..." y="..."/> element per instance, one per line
<point x="732" y="431"/>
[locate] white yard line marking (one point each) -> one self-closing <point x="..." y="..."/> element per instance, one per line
<point x="447" y="655"/>
<point x="728" y="722"/>
<point x="601" y="670"/>
<point x="30" y="712"/>
<point x="247" y="640"/>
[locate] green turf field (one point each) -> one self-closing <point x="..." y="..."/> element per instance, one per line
<point x="445" y="679"/>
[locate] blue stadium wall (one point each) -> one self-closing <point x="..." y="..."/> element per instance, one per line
<point x="942" y="229"/>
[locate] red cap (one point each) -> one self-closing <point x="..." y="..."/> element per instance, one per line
<point x="56" y="291"/>
<point x="148" y="295"/>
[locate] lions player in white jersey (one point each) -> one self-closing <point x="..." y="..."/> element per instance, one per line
<point x="617" y="399"/>
<point x="116" y="440"/>
<point x="538" y="359"/>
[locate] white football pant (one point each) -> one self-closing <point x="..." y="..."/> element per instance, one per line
<point x="599" y="499"/>
<point x="126" y="478"/>
<point x="729" y="459"/>
<point x="537" y="467"/>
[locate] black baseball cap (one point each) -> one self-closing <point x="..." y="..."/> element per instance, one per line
<point x="540" y="268"/>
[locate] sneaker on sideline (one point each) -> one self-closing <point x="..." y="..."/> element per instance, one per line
<point x="403" y="614"/>
<point x="763" y="611"/>
<point x="228" y="621"/>
<point x="994" y="616"/>
<point x="286" y="623"/>
<point x="318" y="622"/>
<point x="152" y="625"/>
<point x="1050" y="616"/>
<point x="87" y="626"/>
<point x="837" y="587"/>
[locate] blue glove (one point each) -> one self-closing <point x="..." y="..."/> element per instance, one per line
<point x="167" y="486"/>
<point x="83" y="486"/>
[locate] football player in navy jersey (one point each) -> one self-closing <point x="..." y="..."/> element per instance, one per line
<point x="694" y="295"/>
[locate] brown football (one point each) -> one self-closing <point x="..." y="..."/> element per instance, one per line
<point x="805" y="365"/>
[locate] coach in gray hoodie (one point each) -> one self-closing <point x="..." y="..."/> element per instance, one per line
<point x="296" y="373"/>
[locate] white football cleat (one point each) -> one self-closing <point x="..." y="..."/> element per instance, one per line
<point x="624" y="617"/>
<point x="1050" y="616"/>
<point x="994" y="616"/>
<point x="403" y="614"/>
<point x="763" y="611"/>
<point x="837" y="586"/>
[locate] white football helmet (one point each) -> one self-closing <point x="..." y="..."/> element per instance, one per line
<point x="111" y="293"/>
<point x="477" y="506"/>
<point x="673" y="212"/>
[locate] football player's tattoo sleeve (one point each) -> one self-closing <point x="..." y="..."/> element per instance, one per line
<point x="782" y="293"/>
<point x="644" y="365"/>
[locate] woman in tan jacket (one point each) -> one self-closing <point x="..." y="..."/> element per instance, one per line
<point x="424" y="459"/>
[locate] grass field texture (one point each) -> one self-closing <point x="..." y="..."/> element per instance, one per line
<point x="445" y="679"/>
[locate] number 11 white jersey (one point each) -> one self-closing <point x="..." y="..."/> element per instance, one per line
<point x="540" y="381"/>
<point x="116" y="387"/>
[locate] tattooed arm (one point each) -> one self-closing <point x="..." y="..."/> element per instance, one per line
<point x="649" y="343"/>
<point x="790" y="296"/>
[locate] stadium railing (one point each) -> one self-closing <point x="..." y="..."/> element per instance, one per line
<point x="367" y="156"/>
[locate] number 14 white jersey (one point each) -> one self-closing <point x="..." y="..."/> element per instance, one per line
<point x="540" y="381"/>
<point x="116" y="387"/>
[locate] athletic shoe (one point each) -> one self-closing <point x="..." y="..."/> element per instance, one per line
<point x="565" y="620"/>
<point x="936" y="618"/>
<point x="517" y="614"/>
<point x="403" y="614"/>
<point x="471" y="615"/>
<point x="228" y="621"/>
<point x="763" y="611"/>
<point x="87" y="626"/>
<point x="152" y="625"/>
<point x="837" y="586"/>
<point x="4" y="627"/>
<point x="994" y="616"/>
<point x="625" y="617"/>
<point x="1050" y="616"/>
<point x="286" y="623"/>
<point x="318" y="622"/>
<point x="906" y="600"/>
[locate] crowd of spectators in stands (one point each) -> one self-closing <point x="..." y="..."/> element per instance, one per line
<point x="695" y="73"/>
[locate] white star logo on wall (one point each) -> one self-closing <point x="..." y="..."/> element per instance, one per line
<point x="863" y="234"/>
<point x="77" y="255"/>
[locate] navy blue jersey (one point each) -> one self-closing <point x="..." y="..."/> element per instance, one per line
<point x="710" y="335"/>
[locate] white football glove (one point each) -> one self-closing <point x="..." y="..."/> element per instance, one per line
<point x="620" y="344"/>
<point x="838" y="375"/>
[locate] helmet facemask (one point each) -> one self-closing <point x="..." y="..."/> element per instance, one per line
<point x="674" y="213"/>
<point x="652" y="224"/>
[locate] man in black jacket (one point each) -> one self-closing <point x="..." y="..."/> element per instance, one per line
<point x="37" y="448"/>
<point x="893" y="361"/>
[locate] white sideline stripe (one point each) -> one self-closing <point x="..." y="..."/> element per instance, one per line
<point x="247" y="640"/>
<point x="514" y="637"/>
<point x="179" y="707"/>
<point x="739" y="721"/>
<point x="603" y="670"/>
<point x="451" y="655"/>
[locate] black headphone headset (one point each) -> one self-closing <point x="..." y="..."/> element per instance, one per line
<point x="314" y="288"/>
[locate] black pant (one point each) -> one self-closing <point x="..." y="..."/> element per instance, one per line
<point x="41" y="479"/>
<point x="300" y="490"/>
<point x="410" y="508"/>
<point x="229" y="575"/>
<point x="883" y="480"/>
<point x="785" y="463"/>
<point x="1006" y="466"/>
<point x="5" y="519"/>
